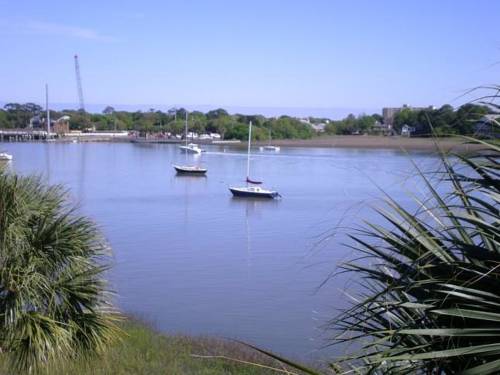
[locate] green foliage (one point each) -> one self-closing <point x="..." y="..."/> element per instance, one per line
<point x="53" y="298"/>
<point x="445" y="120"/>
<point x="145" y="352"/>
<point x="19" y="115"/>
<point x="215" y="121"/>
<point x="429" y="280"/>
<point x="351" y="124"/>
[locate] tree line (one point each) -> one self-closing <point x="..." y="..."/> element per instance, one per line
<point x="438" y="121"/>
<point x="15" y="115"/>
<point x="441" y="121"/>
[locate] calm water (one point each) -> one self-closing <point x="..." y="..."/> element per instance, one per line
<point x="192" y="259"/>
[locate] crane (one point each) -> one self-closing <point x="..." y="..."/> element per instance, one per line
<point x="79" y="85"/>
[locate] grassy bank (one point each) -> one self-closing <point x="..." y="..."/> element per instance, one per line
<point x="378" y="142"/>
<point x="145" y="351"/>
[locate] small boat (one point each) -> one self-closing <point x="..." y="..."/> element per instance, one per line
<point x="191" y="148"/>
<point x="249" y="191"/>
<point x="190" y="169"/>
<point x="5" y="156"/>
<point x="254" y="192"/>
<point x="269" y="147"/>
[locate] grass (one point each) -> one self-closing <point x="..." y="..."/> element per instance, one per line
<point x="145" y="351"/>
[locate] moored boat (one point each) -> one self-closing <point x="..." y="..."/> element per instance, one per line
<point x="191" y="148"/>
<point x="270" y="148"/>
<point x="250" y="191"/>
<point x="5" y="156"/>
<point x="190" y="169"/>
<point x="254" y="192"/>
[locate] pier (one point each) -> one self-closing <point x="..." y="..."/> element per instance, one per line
<point x="20" y="135"/>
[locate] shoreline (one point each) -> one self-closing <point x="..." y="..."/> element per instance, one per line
<point x="361" y="142"/>
<point x="378" y="142"/>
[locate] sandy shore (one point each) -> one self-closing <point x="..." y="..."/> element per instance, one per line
<point x="377" y="142"/>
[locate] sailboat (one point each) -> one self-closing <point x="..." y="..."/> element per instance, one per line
<point x="189" y="169"/>
<point x="269" y="146"/>
<point x="250" y="191"/>
<point x="190" y="148"/>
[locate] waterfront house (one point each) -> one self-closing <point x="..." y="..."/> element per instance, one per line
<point x="488" y="126"/>
<point x="407" y="131"/>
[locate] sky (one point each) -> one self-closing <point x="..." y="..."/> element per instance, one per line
<point x="307" y="57"/>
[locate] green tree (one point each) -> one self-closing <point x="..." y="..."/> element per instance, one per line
<point x="54" y="300"/>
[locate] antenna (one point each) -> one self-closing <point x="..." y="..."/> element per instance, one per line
<point x="79" y="84"/>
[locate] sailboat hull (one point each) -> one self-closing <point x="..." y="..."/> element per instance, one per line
<point x="197" y="171"/>
<point x="254" y="193"/>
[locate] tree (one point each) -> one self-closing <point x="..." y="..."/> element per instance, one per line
<point x="53" y="301"/>
<point x="217" y="113"/>
<point x="108" y="110"/>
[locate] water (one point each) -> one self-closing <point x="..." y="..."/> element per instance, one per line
<point x="191" y="259"/>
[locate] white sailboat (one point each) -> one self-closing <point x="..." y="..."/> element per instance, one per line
<point x="250" y="191"/>
<point x="190" y="148"/>
<point x="269" y="146"/>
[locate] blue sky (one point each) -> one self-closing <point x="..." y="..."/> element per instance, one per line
<point x="352" y="55"/>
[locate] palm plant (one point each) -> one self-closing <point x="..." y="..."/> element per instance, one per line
<point x="430" y="279"/>
<point x="53" y="298"/>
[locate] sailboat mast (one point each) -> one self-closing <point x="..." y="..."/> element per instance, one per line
<point x="47" y="107"/>
<point x="248" y="152"/>
<point x="186" y="128"/>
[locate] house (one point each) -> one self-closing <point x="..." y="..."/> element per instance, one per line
<point x="381" y="129"/>
<point x="488" y="127"/>
<point x="319" y="128"/>
<point x="60" y="126"/>
<point x="407" y="131"/>
<point x="35" y="122"/>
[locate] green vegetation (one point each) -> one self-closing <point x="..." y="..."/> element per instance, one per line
<point x="445" y="120"/>
<point x="143" y="351"/>
<point x="428" y="281"/>
<point x="53" y="298"/>
<point x="217" y="121"/>
<point x="352" y="124"/>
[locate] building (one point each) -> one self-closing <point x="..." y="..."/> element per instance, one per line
<point x="407" y="131"/>
<point x="35" y="122"/>
<point x="388" y="113"/>
<point x="60" y="126"/>
<point x="319" y="128"/>
<point x="488" y="127"/>
<point x="379" y="128"/>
